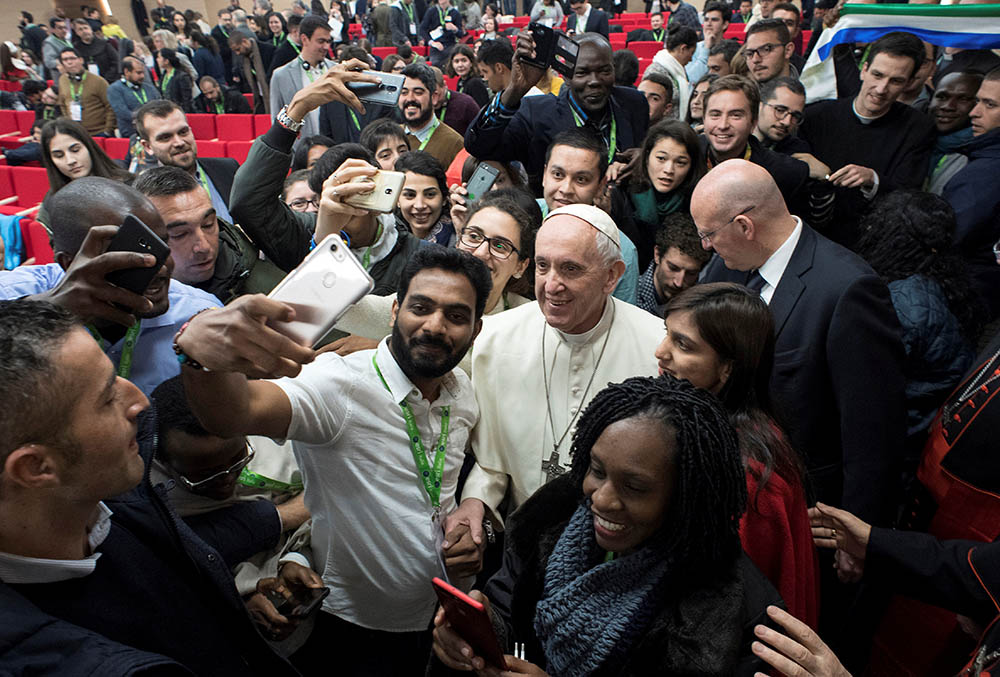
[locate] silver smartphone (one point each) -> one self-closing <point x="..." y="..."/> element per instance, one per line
<point x="386" y="93"/>
<point x="481" y="181"/>
<point x="321" y="289"/>
<point x="385" y="195"/>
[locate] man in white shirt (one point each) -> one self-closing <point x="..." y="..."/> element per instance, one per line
<point x="536" y="367"/>
<point x="309" y="66"/>
<point x="358" y="427"/>
<point x="680" y="46"/>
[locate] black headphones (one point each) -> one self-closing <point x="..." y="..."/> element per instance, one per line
<point x="78" y="77"/>
<point x="305" y="64"/>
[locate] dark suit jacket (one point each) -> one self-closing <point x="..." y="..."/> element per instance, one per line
<point x="597" y="22"/>
<point x="224" y="51"/>
<point x="540" y="118"/>
<point x="838" y="373"/>
<point x="232" y="102"/>
<point x="220" y="171"/>
<point x="282" y="55"/>
<point x="336" y="122"/>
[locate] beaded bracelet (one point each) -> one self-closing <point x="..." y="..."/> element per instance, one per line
<point x="182" y="357"/>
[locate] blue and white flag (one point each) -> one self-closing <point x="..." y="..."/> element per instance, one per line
<point x="964" y="26"/>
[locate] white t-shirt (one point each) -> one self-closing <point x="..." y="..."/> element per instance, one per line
<point x="371" y="531"/>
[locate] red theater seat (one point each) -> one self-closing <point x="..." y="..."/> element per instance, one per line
<point x="645" y="49"/>
<point x="234" y="127"/>
<point x="36" y="242"/>
<point x="116" y="148"/>
<point x="211" y="148"/>
<point x="261" y="123"/>
<point x="202" y="125"/>
<point x="238" y="150"/>
<point x="30" y="183"/>
<point x="382" y="52"/>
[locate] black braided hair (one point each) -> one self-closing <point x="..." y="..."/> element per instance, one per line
<point x="701" y="532"/>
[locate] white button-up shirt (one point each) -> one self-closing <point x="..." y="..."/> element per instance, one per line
<point x="372" y="537"/>
<point x="774" y="267"/>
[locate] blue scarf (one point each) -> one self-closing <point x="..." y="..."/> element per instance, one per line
<point x="947" y="144"/>
<point x="591" y="612"/>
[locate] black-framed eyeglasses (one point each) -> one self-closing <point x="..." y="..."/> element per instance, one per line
<point x="300" y="204"/>
<point x="499" y="248"/>
<point x="784" y="111"/>
<point x="234" y="469"/>
<point x="761" y="51"/>
<point x="707" y="237"/>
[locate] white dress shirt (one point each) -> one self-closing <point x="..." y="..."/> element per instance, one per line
<point x="15" y="569"/>
<point x="371" y="516"/>
<point x="774" y="267"/>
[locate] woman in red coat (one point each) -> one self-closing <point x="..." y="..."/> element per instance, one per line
<point x="720" y="337"/>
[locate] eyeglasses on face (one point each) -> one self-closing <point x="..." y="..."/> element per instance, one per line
<point x="781" y="112"/>
<point x="499" y="248"/>
<point x="300" y="204"/>
<point x="707" y="237"/>
<point x="234" y="469"/>
<point x="761" y="51"/>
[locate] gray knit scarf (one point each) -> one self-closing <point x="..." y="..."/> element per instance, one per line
<point x="590" y="615"/>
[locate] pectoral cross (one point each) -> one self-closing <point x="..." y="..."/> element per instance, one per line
<point x="551" y="467"/>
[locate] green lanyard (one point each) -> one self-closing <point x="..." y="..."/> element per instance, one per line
<point x="63" y="42"/>
<point x="442" y="16"/>
<point x="424" y="143"/>
<point x="277" y="41"/>
<point x="248" y="478"/>
<point x="218" y="109"/>
<point x="224" y="31"/>
<point x="128" y="348"/>
<point x="166" y="80"/>
<point x="609" y="556"/>
<point x="658" y="38"/>
<point x="354" y="119"/>
<point x="367" y="258"/>
<point x="74" y="92"/>
<point x="140" y="95"/>
<point x="298" y="50"/>
<point x="431" y="477"/>
<point x="443" y="108"/>
<point x="612" y="145"/>
<point x="313" y="72"/>
<point x="409" y="12"/>
<point x="204" y="181"/>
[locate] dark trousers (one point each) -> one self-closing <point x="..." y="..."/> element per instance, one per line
<point x="344" y="649"/>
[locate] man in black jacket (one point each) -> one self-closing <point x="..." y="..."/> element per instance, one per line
<point x="515" y="127"/>
<point x="221" y="35"/>
<point x="96" y="51"/>
<point x="585" y="18"/>
<point x="166" y="135"/>
<point x="216" y="98"/>
<point x="838" y="365"/>
<point x="90" y="582"/>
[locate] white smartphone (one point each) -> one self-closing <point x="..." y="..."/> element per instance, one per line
<point x="384" y="197"/>
<point x="321" y="289"/>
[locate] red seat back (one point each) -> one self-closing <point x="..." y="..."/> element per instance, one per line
<point x="261" y="123"/>
<point x="249" y="98"/>
<point x="202" y="125"/>
<point x="25" y="118"/>
<point x="36" y="242"/>
<point x="382" y="52"/>
<point x="234" y="127"/>
<point x="645" y="49"/>
<point x="30" y="183"/>
<point x="238" y="150"/>
<point x="8" y="121"/>
<point x="116" y="148"/>
<point x="6" y="183"/>
<point x="211" y="148"/>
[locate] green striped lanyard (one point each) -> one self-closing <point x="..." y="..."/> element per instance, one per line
<point x="298" y="50"/>
<point x="658" y="38"/>
<point x="140" y="94"/>
<point x="442" y="16"/>
<point x="166" y="80"/>
<point x="314" y="71"/>
<point x="367" y="258"/>
<point x="128" y="347"/>
<point x="434" y="126"/>
<point x="218" y="106"/>
<point x="74" y="92"/>
<point x="431" y="477"/>
<point x="248" y="478"/>
<point x="354" y="119"/>
<point x="203" y="179"/>
<point x="409" y="12"/>
<point x="444" y="108"/>
<point x="612" y="145"/>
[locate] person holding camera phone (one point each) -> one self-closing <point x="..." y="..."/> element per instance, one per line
<point x="362" y="428"/>
<point x="440" y="29"/>
<point x="516" y="127"/>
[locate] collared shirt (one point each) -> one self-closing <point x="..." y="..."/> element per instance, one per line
<point x="424" y="131"/>
<point x="154" y="360"/>
<point x="372" y="536"/>
<point x="581" y="21"/>
<point x="382" y="247"/>
<point x="221" y="210"/>
<point x="774" y="267"/>
<point x="17" y="570"/>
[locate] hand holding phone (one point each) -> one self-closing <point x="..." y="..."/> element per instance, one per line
<point x="470" y="620"/>
<point x="481" y="181"/>
<point x="135" y="236"/>
<point x="383" y="197"/>
<point x="385" y="93"/>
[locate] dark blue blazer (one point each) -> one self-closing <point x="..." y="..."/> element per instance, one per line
<point x="597" y="22"/>
<point x="540" y="118"/>
<point x="837" y="383"/>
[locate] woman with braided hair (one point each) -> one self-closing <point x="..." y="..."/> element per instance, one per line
<point x="630" y="563"/>
<point x="720" y="337"/>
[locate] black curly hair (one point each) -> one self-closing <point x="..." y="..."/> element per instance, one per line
<point x="701" y="534"/>
<point x="909" y="232"/>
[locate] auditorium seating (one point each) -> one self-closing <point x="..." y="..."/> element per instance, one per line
<point x="202" y="125"/>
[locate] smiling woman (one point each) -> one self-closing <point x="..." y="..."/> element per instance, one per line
<point x="650" y="503"/>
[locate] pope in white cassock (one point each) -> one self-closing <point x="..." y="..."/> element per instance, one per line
<point x="536" y="367"/>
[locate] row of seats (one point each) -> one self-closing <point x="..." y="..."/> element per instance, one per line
<point x="228" y="126"/>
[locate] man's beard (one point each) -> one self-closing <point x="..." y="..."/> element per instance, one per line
<point x="420" y="122"/>
<point x="424" y="367"/>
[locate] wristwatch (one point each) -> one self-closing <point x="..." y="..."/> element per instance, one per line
<point x="287" y="122"/>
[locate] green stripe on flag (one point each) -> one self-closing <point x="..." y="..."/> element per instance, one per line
<point x="928" y="11"/>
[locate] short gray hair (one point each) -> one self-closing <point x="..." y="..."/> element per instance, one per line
<point x="607" y="249"/>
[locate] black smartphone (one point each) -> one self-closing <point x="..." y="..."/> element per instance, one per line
<point x="311" y="600"/>
<point x="386" y="93"/>
<point x="553" y="49"/>
<point x="481" y="181"/>
<point x="135" y="236"/>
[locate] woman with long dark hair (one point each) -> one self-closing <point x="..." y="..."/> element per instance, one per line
<point x="207" y="60"/>
<point x="463" y="65"/>
<point x="69" y="153"/>
<point x="423" y="206"/>
<point x="907" y="239"/>
<point x="670" y="165"/>
<point x="720" y="337"/>
<point x="277" y="27"/>
<point x="630" y="563"/>
<point x="175" y="84"/>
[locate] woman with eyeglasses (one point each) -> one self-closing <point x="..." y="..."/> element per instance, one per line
<point x="297" y="194"/>
<point x="670" y="165"/>
<point x="500" y="231"/>
<point x="720" y="338"/>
